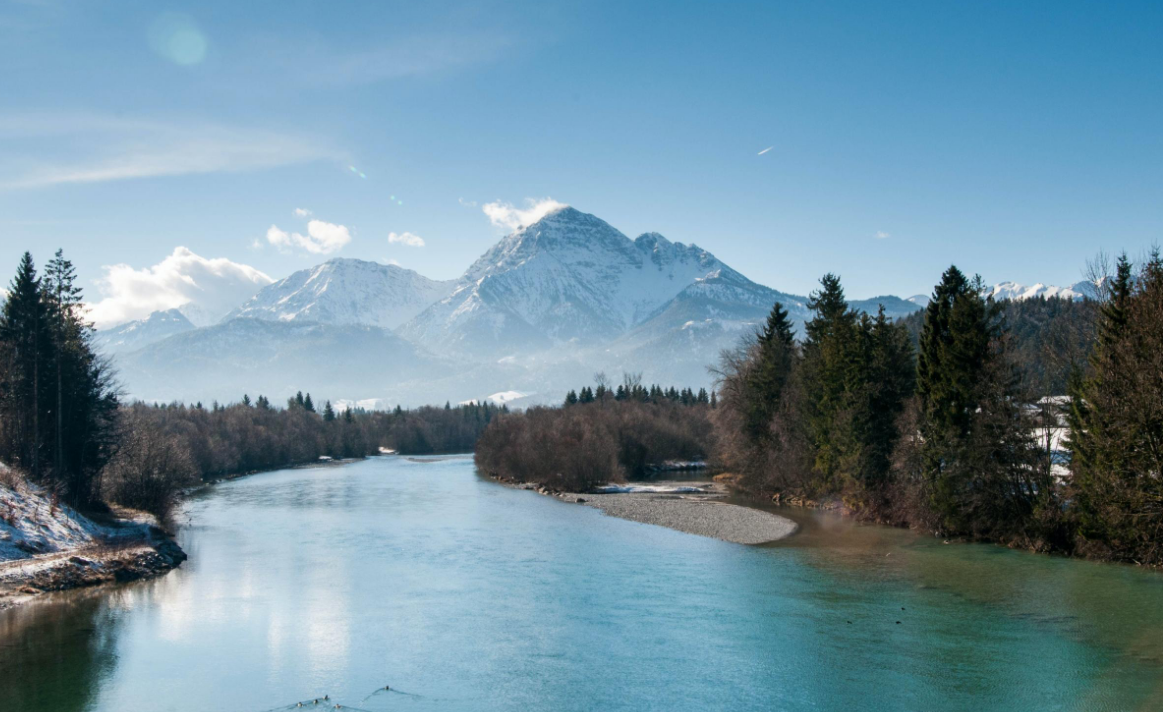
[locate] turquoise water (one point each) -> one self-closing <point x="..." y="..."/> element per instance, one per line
<point x="465" y="595"/>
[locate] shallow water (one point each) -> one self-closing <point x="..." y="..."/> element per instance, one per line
<point x="470" y="596"/>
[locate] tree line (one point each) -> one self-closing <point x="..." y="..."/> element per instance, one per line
<point x="598" y="439"/>
<point x="63" y="424"/>
<point x="633" y="390"/>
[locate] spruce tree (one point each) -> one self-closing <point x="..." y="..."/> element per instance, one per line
<point x="308" y="405"/>
<point x="328" y="412"/>
<point x="24" y="331"/>
<point x="775" y="357"/>
<point x="827" y="359"/>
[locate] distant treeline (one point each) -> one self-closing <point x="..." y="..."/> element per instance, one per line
<point x="246" y="437"/>
<point x="61" y="422"/>
<point x="632" y="390"/>
<point x="599" y="439"/>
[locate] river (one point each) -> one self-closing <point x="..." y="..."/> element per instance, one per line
<point x="461" y="594"/>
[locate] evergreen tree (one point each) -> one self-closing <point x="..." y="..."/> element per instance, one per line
<point x="775" y="357"/>
<point x="1116" y="422"/>
<point x="328" y="412"/>
<point x="57" y="401"/>
<point x="881" y="380"/>
<point x="827" y="360"/>
<point x="25" y="334"/>
<point x="246" y="400"/>
<point x="978" y="456"/>
<point x="571" y="398"/>
<point x="308" y="405"/>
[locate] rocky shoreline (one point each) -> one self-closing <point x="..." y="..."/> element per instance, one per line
<point x="24" y="579"/>
<point x="675" y="506"/>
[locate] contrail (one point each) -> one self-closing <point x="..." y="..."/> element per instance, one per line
<point x="765" y="150"/>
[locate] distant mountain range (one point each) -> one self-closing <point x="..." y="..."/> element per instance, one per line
<point x="540" y="312"/>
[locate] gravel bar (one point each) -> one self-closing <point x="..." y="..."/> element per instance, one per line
<point x="700" y="515"/>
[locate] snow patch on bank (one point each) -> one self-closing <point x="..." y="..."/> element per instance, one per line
<point x="649" y="489"/>
<point x="31" y="523"/>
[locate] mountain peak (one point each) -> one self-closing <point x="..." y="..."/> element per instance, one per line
<point x="344" y="290"/>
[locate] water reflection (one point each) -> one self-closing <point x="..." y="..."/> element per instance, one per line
<point x="53" y="653"/>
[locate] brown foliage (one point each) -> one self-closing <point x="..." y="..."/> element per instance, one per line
<point x="582" y="446"/>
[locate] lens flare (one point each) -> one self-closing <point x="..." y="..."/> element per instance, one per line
<point x="357" y="171"/>
<point x="177" y="37"/>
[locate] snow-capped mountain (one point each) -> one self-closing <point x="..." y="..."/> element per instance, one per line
<point x="569" y="276"/>
<point x="1019" y="292"/>
<point x="540" y="312"/>
<point x="347" y="291"/>
<point x="921" y="300"/>
<point x="138" y="334"/>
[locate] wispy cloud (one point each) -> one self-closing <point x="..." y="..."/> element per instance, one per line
<point x="765" y="150"/>
<point x="510" y="217"/>
<point x="405" y="238"/>
<point x="881" y="235"/>
<point x="302" y="213"/>
<point x="206" y="289"/>
<point x="405" y="57"/>
<point x="46" y="150"/>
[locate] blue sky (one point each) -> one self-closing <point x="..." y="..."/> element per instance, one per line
<point x="1013" y="139"/>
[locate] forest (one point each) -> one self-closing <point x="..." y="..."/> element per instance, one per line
<point x="64" y="426"/>
<point x="605" y="434"/>
<point x="1035" y="424"/>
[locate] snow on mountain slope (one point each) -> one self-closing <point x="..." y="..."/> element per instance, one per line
<point x="1019" y="292"/>
<point x="143" y="332"/>
<point x="568" y="276"/>
<point x="347" y="291"/>
<point x="894" y="307"/>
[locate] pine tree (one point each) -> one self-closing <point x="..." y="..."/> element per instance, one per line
<point x="827" y="360"/>
<point x="775" y="357"/>
<point x="25" y="334"/>
<point x="308" y="405"/>
<point x="328" y="412"/>
<point x="571" y="398"/>
<point x="246" y="400"/>
<point x="1115" y="421"/>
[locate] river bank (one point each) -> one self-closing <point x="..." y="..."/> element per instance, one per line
<point x="692" y="507"/>
<point x="46" y="546"/>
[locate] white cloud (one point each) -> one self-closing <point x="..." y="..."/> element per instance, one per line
<point x="302" y="213"/>
<point x="406" y="238"/>
<point x="881" y="234"/>
<point x="205" y="289"/>
<point x="322" y="238"/>
<point x="393" y="261"/>
<point x="508" y="216"/>
<point x="466" y="203"/>
<point x="46" y="150"/>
